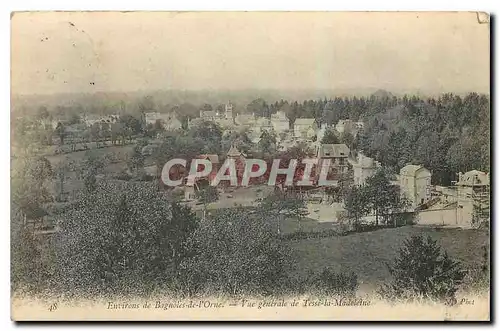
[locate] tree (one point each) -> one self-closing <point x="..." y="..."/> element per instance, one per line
<point x="118" y="131"/>
<point x="128" y="243"/>
<point x="131" y="123"/>
<point x="158" y="127"/>
<point x="347" y="138"/>
<point x="90" y="167"/>
<point x="297" y="208"/>
<point x="43" y="113"/>
<point x="206" y="107"/>
<point x="236" y="253"/>
<point x="206" y="195"/>
<point x="135" y="161"/>
<point x="267" y="142"/>
<point x="356" y="205"/>
<point x="383" y="197"/>
<point x="74" y="119"/>
<point x="330" y="137"/>
<point x="147" y="103"/>
<point x="258" y="107"/>
<point x="95" y="133"/>
<point x="61" y="172"/>
<point x="211" y="135"/>
<point x="282" y="204"/>
<point x="422" y="270"/>
<point x="40" y="170"/>
<point x="30" y="272"/>
<point x="60" y="131"/>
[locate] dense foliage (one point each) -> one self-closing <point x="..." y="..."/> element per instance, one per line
<point x="422" y="270"/>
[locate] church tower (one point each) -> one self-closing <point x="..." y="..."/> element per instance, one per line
<point x="229" y="111"/>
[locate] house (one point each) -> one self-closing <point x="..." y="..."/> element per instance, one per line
<point x="209" y="115"/>
<point x="338" y="155"/>
<point x="262" y="124"/>
<point x="169" y="121"/>
<point x="305" y="128"/>
<point x="415" y="183"/>
<point x="234" y="153"/>
<point x="473" y="178"/>
<point x="280" y="122"/>
<point x="359" y="125"/>
<point x="91" y="119"/>
<point x="344" y="126"/>
<point x="214" y="160"/>
<point x="473" y="196"/>
<point x="245" y="120"/>
<point x="321" y="132"/>
<point x="363" y="167"/>
<point x="214" y="116"/>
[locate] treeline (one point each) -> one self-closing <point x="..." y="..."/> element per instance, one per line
<point x="446" y="135"/>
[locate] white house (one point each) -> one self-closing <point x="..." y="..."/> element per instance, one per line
<point x="245" y="119"/>
<point x="338" y="155"/>
<point x="169" y="121"/>
<point x="280" y="122"/>
<point x="344" y="126"/>
<point x="363" y="168"/>
<point x="305" y="128"/>
<point x="415" y="183"/>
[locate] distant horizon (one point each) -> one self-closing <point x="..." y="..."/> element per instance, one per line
<point x="349" y="91"/>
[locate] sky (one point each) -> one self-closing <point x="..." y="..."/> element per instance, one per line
<point x="57" y="52"/>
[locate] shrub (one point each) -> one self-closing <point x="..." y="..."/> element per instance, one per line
<point x="422" y="270"/>
<point x="235" y="253"/>
<point x="126" y="243"/>
<point x="330" y="283"/>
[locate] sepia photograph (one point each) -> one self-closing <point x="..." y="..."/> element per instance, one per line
<point x="246" y="166"/>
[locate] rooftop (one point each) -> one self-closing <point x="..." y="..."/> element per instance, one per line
<point x="333" y="150"/>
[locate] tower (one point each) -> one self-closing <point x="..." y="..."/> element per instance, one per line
<point x="229" y="110"/>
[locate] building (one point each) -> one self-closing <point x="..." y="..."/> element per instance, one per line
<point x="209" y="115"/>
<point x="91" y="119"/>
<point x="321" y="132"/>
<point x="359" y="125"/>
<point x="214" y="116"/>
<point x="344" y="126"/>
<point x="338" y="155"/>
<point x="262" y="124"/>
<point x="415" y="183"/>
<point x="247" y="120"/>
<point x="305" y="128"/>
<point x="363" y="167"/>
<point x="169" y="121"/>
<point x="280" y="122"/>
<point x="229" y="111"/>
<point x="235" y="153"/>
<point x="214" y="160"/>
<point x="473" y="196"/>
<point x="172" y="122"/>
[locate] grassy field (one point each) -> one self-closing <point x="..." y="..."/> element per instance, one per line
<point x="367" y="253"/>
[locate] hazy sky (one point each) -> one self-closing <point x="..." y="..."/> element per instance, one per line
<point x="85" y="52"/>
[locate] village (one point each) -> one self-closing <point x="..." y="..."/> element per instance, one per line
<point x="460" y="204"/>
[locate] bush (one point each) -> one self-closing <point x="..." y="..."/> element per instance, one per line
<point x="123" y="176"/>
<point x="126" y="243"/>
<point x="330" y="283"/>
<point x="235" y="253"/>
<point x="422" y="270"/>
